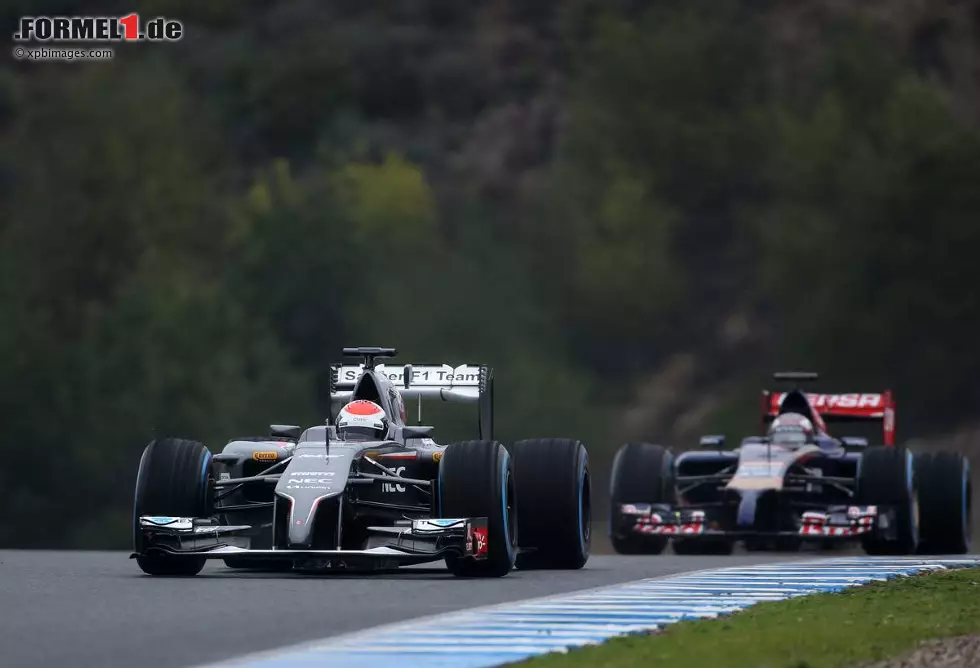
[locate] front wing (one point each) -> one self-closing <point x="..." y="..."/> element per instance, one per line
<point x="836" y="522"/>
<point x="410" y="542"/>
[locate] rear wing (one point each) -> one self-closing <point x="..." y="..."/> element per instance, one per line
<point x="842" y="408"/>
<point x="465" y="383"/>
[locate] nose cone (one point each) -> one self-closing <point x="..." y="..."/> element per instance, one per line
<point x="300" y="533"/>
<point x="314" y="480"/>
<point x="305" y="521"/>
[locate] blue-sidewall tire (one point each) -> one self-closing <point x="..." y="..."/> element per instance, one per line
<point x="476" y="479"/>
<point x="174" y="480"/>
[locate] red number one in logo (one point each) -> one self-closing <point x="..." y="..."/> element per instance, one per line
<point x="132" y="25"/>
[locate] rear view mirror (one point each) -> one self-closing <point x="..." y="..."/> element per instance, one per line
<point x="853" y="442"/>
<point x="416" y="432"/>
<point x="713" y="441"/>
<point x="288" y="431"/>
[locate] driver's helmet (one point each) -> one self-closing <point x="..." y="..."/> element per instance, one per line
<point x="362" y="420"/>
<point x="791" y="430"/>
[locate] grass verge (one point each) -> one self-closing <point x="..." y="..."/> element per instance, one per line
<point x="867" y="623"/>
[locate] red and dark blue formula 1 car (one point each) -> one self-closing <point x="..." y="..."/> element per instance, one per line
<point x="794" y="485"/>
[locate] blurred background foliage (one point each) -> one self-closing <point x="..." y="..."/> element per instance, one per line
<point x="634" y="211"/>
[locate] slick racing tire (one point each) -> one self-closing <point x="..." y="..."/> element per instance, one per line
<point x="554" y="503"/>
<point x="173" y="481"/>
<point x="641" y="473"/>
<point x="945" y="497"/>
<point x="886" y="479"/>
<point x="476" y="479"/>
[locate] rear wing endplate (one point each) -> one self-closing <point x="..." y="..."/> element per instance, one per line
<point x="465" y="383"/>
<point x="842" y="408"/>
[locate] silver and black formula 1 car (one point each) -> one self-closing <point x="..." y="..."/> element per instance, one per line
<point x="827" y="490"/>
<point x="308" y="500"/>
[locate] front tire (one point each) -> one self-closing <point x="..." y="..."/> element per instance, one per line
<point x="641" y="473"/>
<point x="173" y="481"/>
<point x="476" y="479"/>
<point x="945" y="492"/>
<point x="554" y="508"/>
<point x="886" y="478"/>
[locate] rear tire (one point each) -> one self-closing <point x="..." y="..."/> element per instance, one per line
<point x="554" y="503"/>
<point x="885" y="478"/>
<point x="641" y="473"/>
<point x="476" y="479"/>
<point x="173" y="481"/>
<point x="945" y="497"/>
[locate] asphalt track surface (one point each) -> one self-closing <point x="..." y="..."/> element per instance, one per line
<point x="86" y="609"/>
